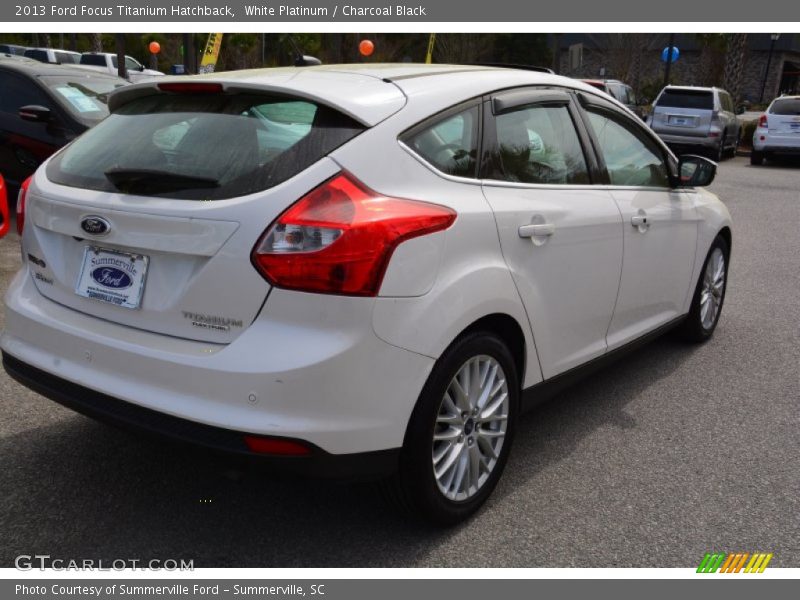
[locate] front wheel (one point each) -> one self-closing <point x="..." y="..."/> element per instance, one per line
<point x="709" y="295"/>
<point x="460" y="433"/>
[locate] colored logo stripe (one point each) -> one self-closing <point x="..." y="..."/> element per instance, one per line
<point x="734" y="562"/>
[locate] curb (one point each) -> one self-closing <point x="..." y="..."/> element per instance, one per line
<point x="744" y="151"/>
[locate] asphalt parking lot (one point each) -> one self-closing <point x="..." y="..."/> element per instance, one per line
<point x="674" y="452"/>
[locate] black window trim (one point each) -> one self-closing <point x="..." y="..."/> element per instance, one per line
<point x="524" y="97"/>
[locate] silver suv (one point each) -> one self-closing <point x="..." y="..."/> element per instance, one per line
<point x="696" y="118"/>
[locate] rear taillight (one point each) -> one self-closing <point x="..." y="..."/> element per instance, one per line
<point x="23" y="192"/>
<point x="762" y="121"/>
<point x="338" y="239"/>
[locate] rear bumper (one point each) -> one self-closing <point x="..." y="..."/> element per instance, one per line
<point x="775" y="149"/>
<point x="99" y="406"/>
<point x="689" y="142"/>
<point x="308" y="368"/>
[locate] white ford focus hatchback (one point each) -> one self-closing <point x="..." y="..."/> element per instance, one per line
<point x="356" y="270"/>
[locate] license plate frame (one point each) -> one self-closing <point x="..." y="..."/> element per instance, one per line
<point x="113" y="276"/>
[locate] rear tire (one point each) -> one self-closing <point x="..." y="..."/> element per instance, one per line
<point x="709" y="295"/>
<point x="719" y="153"/>
<point x="735" y="147"/>
<point x="756" y="158"/>
<point x="460" y="433"/>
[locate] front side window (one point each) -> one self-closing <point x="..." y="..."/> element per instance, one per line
<point x="132" y="64"/>
<point x="539" y="144"/>
<point x="631" y="159"/>
<point x="450" y="144"/>
<point x="201" y="147"/>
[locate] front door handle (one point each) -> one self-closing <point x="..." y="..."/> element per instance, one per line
<point x="640" y="222"/>
<point x="537" y="230"/>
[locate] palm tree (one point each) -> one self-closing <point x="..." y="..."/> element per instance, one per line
<point x="96" y="42"/>
<point x="734" y="65"/>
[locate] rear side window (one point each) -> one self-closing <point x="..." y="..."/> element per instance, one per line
<point x="19" y="92"/>
<point x="96" y="60"/>
<point x="785" y="106"/>
<point x="65" y="58"/>
<point x="40" y="55"/>
<point x="202" y="147"/>
<point x="539" y="144"/>
<point x="450" y="144"/>
<point x="697" y="99"/>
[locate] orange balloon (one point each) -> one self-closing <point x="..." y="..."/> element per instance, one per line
<point x="366" y="47"/>
<point x="155" y="47"/>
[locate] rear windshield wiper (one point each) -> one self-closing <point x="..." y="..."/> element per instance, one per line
<point x="154" y="180"/>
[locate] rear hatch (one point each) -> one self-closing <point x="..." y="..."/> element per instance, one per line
<point x="684" y="112"/>
<point x="149" y="219"/>
<point x="783" y="122"/>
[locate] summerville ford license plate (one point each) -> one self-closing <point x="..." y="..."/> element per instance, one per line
<point x="111" y="276"/>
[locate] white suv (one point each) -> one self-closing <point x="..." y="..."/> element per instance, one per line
<point x="366" y="270"/>
<point x="778" y="131"/>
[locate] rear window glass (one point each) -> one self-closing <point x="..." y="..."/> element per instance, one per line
<point x="202" y="147"/>
<point x="85" y="97"/>
<point x="785" y="106"/>
<point x="699" y="99"/>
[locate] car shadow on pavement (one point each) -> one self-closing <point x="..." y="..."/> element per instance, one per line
<point x="77" y="489"/>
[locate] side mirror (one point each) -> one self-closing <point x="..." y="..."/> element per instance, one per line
<point x="740" y="109"/>
<point x="696" y="171"/>
<point x="35" y="113"/>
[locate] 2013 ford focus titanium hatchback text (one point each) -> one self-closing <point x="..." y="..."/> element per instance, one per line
<point x="357" y="270"/>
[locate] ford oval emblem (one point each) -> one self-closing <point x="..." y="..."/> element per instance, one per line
<point x="111" y="277"/>
<point x="95" y="225"/>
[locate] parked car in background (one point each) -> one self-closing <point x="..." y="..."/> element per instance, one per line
<point x="43" y="107"/>
<point x="778" y="131"/>
<point x="5" y="217"/>
<point x="701" y="119"/>
<point x="107" y="63"/>
<point x="428" y="222"/>
<point x="621" y="92"/>
<point x="54" y="56"/>
<point x="12" y="49"/>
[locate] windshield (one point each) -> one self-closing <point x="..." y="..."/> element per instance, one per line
<point x="86" y="97"/>
<point x="699" y="99"/>
<point x="204" y="147"/>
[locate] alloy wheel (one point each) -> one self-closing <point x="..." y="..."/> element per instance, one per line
<point x="470" y="428"/>
<point x="713" y="289"/>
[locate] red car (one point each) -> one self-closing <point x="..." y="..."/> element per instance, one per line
<point x="5" y="223"/>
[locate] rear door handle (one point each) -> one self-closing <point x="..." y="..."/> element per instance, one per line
<point x="537" y="230"/>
